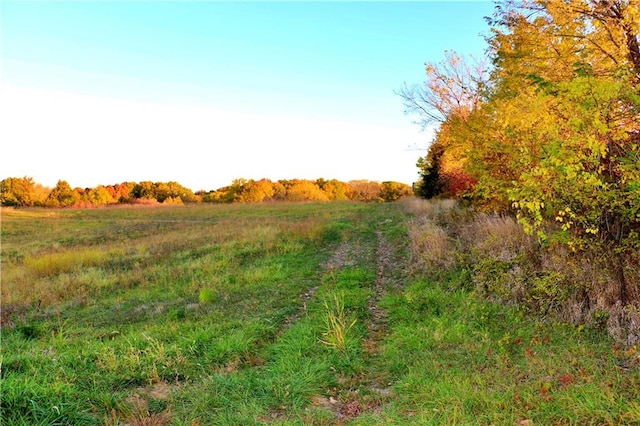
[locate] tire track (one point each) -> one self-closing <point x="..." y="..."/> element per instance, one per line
<point x="352" y="403"/>
<point x="377" y="326"/>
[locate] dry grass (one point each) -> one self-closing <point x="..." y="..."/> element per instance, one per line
<point x="624" y="325"/>
<point x="430" y="247"/>
<point x="436" y="210"/>
<point x="51" y="264"/>
<point x="136" y="413"/>
<point x="52" y="278"/>
<point x="593" y="298"/>
<point x="508" y="265"/>
<point x="52" y="257"/>
<point x="498" y="237"/>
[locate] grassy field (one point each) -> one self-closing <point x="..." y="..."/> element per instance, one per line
<point x="276" y="314"/>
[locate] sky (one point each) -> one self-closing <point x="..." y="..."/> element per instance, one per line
<point x="205" y="92"/>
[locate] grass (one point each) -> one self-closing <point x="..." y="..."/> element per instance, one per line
<point x="277" y="314"/>
<point x="459" y="360"/>
<point x="338" y="325"/>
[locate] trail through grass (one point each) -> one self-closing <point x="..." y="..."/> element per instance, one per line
<point x="275" y="314"/>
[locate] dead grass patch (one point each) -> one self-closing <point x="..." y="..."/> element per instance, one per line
<point x="430" y="247"/>
<point x="498" y="237"/>
<point x="138" y="411"/>
<point x="436" y="210"/>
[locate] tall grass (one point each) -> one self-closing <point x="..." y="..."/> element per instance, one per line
<point x="436" y="210"/>
<point x="51" y="264"/>
<point x="499" y="237"/>
<point x="430" y="246"/>
<point x="337" y="324"/>
<point x="506" y="264"/>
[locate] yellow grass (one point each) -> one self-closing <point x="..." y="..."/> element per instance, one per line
<point x="499" y="237"/>
<point x="430" y="247"/>
<point x="431" y="209"/>
<point x="68" y="261"/>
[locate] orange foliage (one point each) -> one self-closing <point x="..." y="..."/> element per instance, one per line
<point x="241" y="190"/>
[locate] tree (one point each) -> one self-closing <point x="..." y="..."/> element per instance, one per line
<point x="121" y="192"/>
<point x="553" y="135"/>
<point x="279" y="190"/>
<point x="335" y="189"/>
<point x="305" y="190"/>
<point x="256" y="191"/>
<point x="62" y="195"/>
<point x="430" y="184"/>
<point x="99" y="196"/>
<point x="144" y="190"/>
<point x="210" y="196"/>
<point x="18" y="192"/>
<point x="174" y="190"/>
<point x="364" y="190"/>
<point x="454" y="90"/>
<point x="579" y="132"/>
<point x="453" y="86"/>
<point x="393" y="191"/>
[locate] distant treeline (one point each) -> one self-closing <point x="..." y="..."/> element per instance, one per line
<point x="25" y="192"/>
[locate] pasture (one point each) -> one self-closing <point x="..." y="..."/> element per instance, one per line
<point x="276" y="313"/>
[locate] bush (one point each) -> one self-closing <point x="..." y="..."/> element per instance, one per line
<point x="505" y="264"/>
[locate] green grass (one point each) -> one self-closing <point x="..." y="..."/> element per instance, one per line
<point x="455" y="359"/>
<point x="275" y="314"/>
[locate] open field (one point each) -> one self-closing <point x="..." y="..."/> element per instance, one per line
<point x="276" y="314"/>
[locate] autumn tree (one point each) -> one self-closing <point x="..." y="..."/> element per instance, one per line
<point x="454" y="90"/>
<point x="62" y="195"/>
<point x="580" y="130"/>
<point x="121" y="192"/>
<point x="393" y="191"/>
<point x="553" y="135"/>
<point x="256" y="191"/>
<point x="335" y="189"/>
<point x="22" y="192"/>
<point x="161" y="191"/>
<point x="454" y="86"/>
<point x="279" y="191"/>
<point x="143" y="190"/>
<point x="210" y="196"/>
<point x="305" y="190"/>
<point x="365" y="190"/>
<point x="99" y="195"/>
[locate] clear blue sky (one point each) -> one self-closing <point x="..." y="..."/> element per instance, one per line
<point x="204" y="92"/>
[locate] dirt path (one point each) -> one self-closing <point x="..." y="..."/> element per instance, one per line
<point x="377" y="326"/>
<point x="368" y="392"/>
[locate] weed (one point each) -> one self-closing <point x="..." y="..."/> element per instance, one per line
<point x="207" y="295"/>
<point x="337" y="324"/>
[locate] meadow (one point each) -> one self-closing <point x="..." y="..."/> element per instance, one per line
<point x="279" y="313"/>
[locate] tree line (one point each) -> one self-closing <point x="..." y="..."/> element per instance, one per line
<point x="547" y="129"/>
<point x="25" y="192"/>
